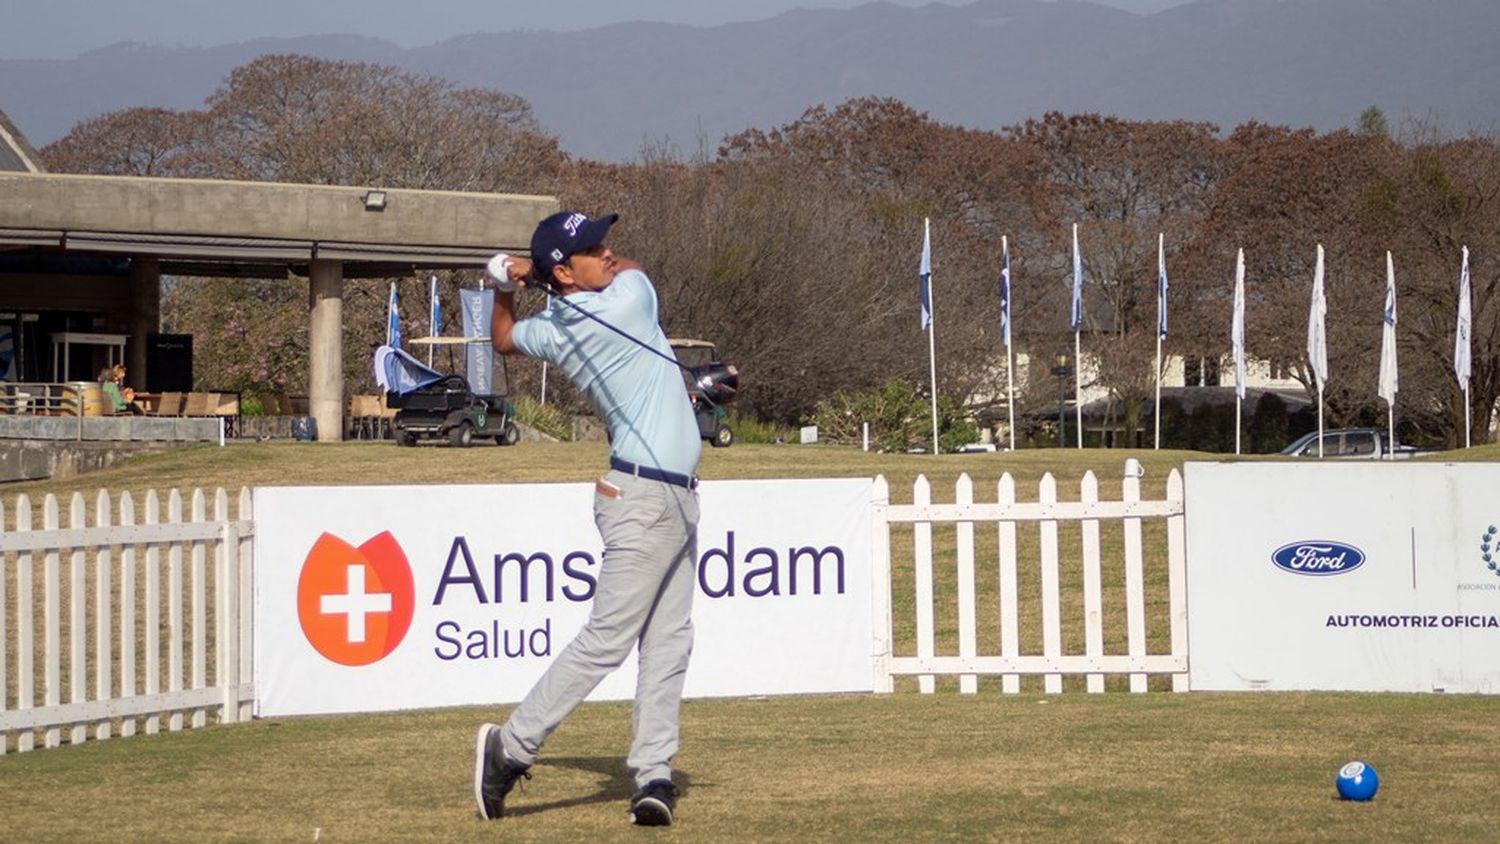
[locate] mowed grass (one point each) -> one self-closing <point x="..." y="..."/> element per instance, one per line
<point x="1118" y="767"/>
<point x="893" y="767"/>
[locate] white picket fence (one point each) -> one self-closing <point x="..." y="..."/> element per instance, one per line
<point x="1007" y="514"/>
<point x="146" y="635"/>
<point x="138" y="616"/>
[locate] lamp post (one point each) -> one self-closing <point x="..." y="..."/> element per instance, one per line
<point x="1061" y="370"/>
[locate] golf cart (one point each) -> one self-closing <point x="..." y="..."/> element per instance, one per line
<point x="432" y="405"/>
<point x="703" y="357"/>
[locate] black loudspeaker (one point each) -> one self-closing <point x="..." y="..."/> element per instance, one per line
<point x="169" y="363"/>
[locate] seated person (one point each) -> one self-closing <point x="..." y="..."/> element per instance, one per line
<point x="121" y="398"/>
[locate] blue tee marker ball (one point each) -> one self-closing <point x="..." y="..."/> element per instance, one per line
<point x="1357" y="781"/>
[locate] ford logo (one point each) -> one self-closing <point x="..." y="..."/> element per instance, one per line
<point x="1318" y="557"/>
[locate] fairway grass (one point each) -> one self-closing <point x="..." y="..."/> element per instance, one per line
<point x="1119" y="767"/>
<point x="1153" y="767"/>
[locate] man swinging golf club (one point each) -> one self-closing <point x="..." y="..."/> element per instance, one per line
<point x="646" y="507"/>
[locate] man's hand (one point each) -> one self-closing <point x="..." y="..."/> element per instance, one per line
<point x="519" y="270"/>
<point x="507" y="272"/>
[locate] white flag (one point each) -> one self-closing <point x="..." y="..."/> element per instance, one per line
<point x="1317" y="337"/>
<point x="1161" y="287"/>
<point x="1076" y="318"/>
<point x="924" y="276"/>
<point x="1237" y="331"/>
<point x="1462" y="354"/>
<point x="1388" y="380"/>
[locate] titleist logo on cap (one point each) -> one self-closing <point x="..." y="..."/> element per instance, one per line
<point x="573" y="222"/>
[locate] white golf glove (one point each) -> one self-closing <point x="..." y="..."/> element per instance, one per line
<point x="498" y="270"/>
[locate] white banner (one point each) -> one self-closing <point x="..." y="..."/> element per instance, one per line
<point x="1347" y="576"/>
<point x="476" y="306"/>
<point x="383" y="598"/>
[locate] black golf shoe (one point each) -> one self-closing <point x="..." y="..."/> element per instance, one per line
<point x="653" y="804"/>
<point x="495" y="774"/>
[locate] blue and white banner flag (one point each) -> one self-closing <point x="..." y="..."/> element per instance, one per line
<point x="924" y="276"/>
<point x="1388" y="380"/>
<point x="1462" y="353"/>
<point x="393" y="321"/>
<point x="1161" y="286"/>
<point x="436" y="314"/>
<point x="1317" y="335"/>
<point x="1237" y="329"/>
<point x="1076" y="321"/>
<point x="1005" y="293"/>
<point x="479" y="358"/>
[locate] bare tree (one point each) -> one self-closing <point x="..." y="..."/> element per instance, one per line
<point x="1124" y="182"/>
<point x="301" y="119"/>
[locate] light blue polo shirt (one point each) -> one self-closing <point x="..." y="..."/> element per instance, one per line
<point x="640" y="397"/>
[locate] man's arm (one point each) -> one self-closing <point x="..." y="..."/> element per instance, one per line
<point x="502" y="321"/>
<point x="503" y="317"/>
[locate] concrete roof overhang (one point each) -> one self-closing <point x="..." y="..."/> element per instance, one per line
<point x="262" y="229"/>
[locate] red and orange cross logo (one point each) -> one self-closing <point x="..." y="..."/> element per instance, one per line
<point x="355" y="604"/>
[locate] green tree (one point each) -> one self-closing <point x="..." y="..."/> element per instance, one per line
<point x="1372" y="124"/>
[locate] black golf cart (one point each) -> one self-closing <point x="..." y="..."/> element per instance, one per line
<point x="701" y="354"/>
<point x="432" y="405"/>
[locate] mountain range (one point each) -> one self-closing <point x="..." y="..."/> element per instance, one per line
<point x="988" y="64"/>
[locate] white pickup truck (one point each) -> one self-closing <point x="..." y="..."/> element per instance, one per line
<point x="1351" y="444"/>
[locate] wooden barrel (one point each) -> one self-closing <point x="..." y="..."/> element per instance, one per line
<point x="93" y="401"/>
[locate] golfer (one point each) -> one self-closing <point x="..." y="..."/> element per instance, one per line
<point x="646" y="507"/>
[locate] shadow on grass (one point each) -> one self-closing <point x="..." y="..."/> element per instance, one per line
<point x="617" y="786"/>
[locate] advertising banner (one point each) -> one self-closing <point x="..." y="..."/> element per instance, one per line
<point x="385" y="598"/>
<point x="476" y="307"/>
<point x="1344" y="576"/>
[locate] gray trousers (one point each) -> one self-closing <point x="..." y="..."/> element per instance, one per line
<point x="644" y="598"/>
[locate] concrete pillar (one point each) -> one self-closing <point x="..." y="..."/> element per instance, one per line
<point x="325" y="378"/>
<point x="145" y="315"/>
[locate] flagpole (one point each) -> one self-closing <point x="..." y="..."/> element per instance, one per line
<point x="1010" y="368"/>
<point x="1077" y="333"/>
<point x="1468" y="424"/>
<point x="1237" y="339"/>
<point x="931" y="337"/>
<point x="1390" y="412"/>
<point x="1317" y="342"/>
<point x="1388" y="368"/>
<point x="1161" y="304"/>
<point x="1238" y="405"/>
<point x="1462" y="345"/>
<point x="1320" y="418"/>
<point x="1157" y="415"/>
<point x="1010" y="380"/>
<point x="1078" y="386"/>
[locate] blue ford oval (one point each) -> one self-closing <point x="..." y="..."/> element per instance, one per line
<point x="1318" y="557"/>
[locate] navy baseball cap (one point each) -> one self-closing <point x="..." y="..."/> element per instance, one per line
<point x="564" y="233"/>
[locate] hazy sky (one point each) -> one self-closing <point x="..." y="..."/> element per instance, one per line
<point x="49" y="29"/>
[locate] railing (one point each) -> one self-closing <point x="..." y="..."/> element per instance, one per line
<point x="1085" y="582"/>
<point x="43" y="399"/>
<point x="118" y="636"/>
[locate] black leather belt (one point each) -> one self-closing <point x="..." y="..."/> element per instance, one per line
<point x="651" y="473"/>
